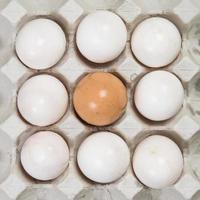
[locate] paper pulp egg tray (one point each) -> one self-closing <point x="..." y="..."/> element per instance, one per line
<point x="184" y="128"/>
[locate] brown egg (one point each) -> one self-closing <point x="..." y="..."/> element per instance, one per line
<point x="100" y="98"/>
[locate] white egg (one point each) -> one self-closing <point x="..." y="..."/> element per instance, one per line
<point x="159" y="95"/>
<point x="45" y="155"/>
<point x="42" y="100"/>
<point x="101" y="36"/>
<point x="103" y="157"/>
<point x="156" y="42"/>
<point x="157" y="162"/>
<point x="40" y="44"/>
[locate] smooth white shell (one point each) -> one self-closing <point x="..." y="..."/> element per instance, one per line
<point x="42" y="100"/>
<point x="103" y="157"/>
<point x="157" y="162"/>
<point x="45" y="155"/>
<point x="156" y="42"/>
<point x="40" y="44"/>
<point x="159" y="95"/>
<point x="101" y="36"/>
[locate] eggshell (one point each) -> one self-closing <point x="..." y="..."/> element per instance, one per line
<point x="45" y="155"/>
<point x="103" y="157"/>
<point x="100" y="98"/>
<point x="156" y="42"/>
<point x="40" y="43"/>
<point x="159" y="95"/>
<point x="42" y="100"/>
<point x="158" y="162"/>
<point x="101" y="36"/>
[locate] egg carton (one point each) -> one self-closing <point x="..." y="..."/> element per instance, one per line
<point x="184" y="128"/>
